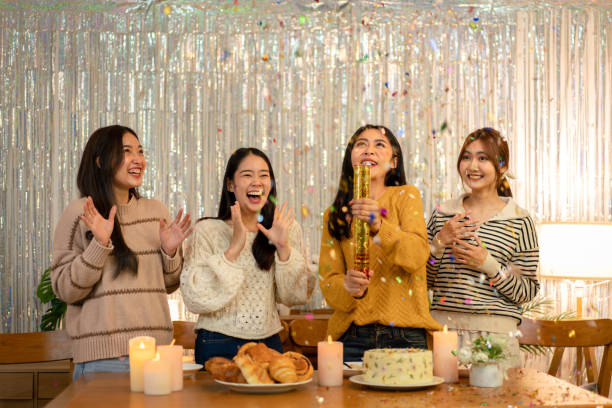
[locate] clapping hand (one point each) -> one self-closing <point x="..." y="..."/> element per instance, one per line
<point x="238" y="234"/>
<point x="173" y="235"/>
<point x="456" y="228"/>
<point x="469" y="254"/>
<point x="278" y="233"/>
<point x="100" y="227"/>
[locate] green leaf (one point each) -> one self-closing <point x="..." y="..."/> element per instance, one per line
<point x="44" y="291"/>
<point x="52" y="318"/>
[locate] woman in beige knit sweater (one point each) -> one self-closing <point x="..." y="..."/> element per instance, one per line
<point x="115" y="255"/>
<point x="243" y="262"/>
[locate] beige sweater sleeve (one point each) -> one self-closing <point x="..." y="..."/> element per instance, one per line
<point x="294" y="281"/>
<point x="209" y="281"/>
<point x="77" y="264"/>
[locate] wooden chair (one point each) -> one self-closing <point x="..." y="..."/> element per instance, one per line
<point x="305" y="334"/>
<point x="186" y="337"/>
<point x="574" y="333"/>
<point x="34" y="367"/>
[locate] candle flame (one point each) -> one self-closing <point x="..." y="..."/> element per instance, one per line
<point x="141" y="345"/>
<point x="329" y="339"/>
<point x="172" y="344"/>
<point x="445" y="330"/>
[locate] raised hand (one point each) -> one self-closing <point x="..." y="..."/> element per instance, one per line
<point x="367" y="210"/>
<point x="278" y="233"/>
<point x="238" y="235"/>
<point x="100" y="227"/>
<point x="456" y="228"/>
<point x="356" y="282"/>
<point x="173" y="235"/>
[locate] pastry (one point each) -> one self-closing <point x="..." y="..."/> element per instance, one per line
<point x="253" y="372"/>
<point x="303" y="366"/>
<point x="282" y="369"/>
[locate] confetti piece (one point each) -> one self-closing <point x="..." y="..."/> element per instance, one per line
<point x="383" y="212"/>
<point x="383" y="280"/>
<point x="332" y="254"/>
<point x="310" y="189"/>
<point x="442" y="299"/>
<point x="409" y="292"/>
<point x="432" y="261"/>
<point x="452" y="258"/>
<point x="305" y="211"/>
<point x="468" y="301"/>
<point x="320" y="399"/>
<point x="167" y="10"/>
<point x="391" y="324"/>
<point x="377" y="240"/>
<point x="260" y="218"/>
<point x="272" y="199"/>
<point x="309" y="316"/>
<point x="371" y="218"/>
<point x="398" y="279"/>
<point x="303" y="20"/>
<point x="572" y="334"/>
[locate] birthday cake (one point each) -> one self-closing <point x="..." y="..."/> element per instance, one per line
<point x="398" y="366"/>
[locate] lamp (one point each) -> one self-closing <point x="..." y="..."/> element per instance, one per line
<point x="575" y="251"/>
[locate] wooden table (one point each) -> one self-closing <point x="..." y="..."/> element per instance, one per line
<point x="524" y="388"/>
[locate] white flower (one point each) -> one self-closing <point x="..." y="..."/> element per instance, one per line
<point x="464" y="355"/>
<point x="497" y="341"/>
<point x="480" y="357"/>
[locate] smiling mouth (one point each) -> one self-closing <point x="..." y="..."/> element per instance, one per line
<point x="471" y="176"/>
<point x="368" y="163"/>
<point x="135" y="172"/>
<point x="255" y="196"/>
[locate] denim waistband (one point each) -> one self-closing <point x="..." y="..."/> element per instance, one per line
<point x="379" y="329"/>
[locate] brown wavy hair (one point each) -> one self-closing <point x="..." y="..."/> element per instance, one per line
<point x="498" y="153"/>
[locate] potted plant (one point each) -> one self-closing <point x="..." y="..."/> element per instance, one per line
<point x="486" y="358"/>
<point x="52" y="319"/>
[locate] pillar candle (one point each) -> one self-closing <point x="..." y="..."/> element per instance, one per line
<point x="142" y="349"/>
<point x="173" y="355"/>
<point x="329" y="360"/>
<point x="157" y="377"/>
<point x="444" y="362"/>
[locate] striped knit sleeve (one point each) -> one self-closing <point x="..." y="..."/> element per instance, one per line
<point x="519" y="281"/>
<point x="433" y="264"/>
<point x="77" y="264"/>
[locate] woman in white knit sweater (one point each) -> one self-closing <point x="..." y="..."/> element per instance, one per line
<point x="243" y="262"/>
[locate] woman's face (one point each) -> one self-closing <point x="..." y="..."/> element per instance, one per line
<point x="130" y="172"/>
<point x="251" y="184"/>
<point x="476" y="168"/>
<point x="373" y="148"/>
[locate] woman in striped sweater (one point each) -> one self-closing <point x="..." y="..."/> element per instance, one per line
<point x="484" y="248"/>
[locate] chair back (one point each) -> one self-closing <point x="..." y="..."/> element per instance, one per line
<point x="185" y="336"/>
<point x="573" y="333"/>
<point x="17" y="348"/>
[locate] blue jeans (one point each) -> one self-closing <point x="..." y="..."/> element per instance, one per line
<point x="358" y="339"/>
<point x="111" y="365"/>
<point x="212" y="344"/>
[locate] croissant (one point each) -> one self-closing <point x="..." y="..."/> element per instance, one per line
<point x="303" y="366"/>
<point x="253" y="372"/>
<point x="223" y="369"/>
<point x="282" y="370"/>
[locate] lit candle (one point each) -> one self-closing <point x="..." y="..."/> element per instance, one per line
<point x="157" y="377"/>
<point x="173" y="355"/>
<point x="329" y="358"/>
<point x="444" y="362"/>
<point x="141" y="349"/>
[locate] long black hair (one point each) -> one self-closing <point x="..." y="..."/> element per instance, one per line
<point x="263" y="250"/>
<point x="338" y="223"/>
<point x="101" y="159"/>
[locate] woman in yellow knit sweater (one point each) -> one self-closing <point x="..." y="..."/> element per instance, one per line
<point x="390" y="307"/>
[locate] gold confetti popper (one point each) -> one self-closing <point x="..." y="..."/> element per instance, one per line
<point x="361" y="229"/>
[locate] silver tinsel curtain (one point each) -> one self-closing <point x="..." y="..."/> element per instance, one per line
<point x="198" y="79"/>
